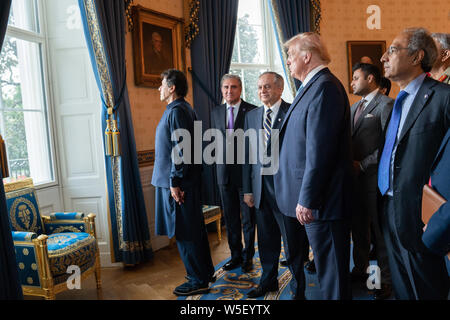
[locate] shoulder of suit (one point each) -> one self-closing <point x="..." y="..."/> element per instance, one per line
<point x="249" y="106"/>
<point x="254" y="111"/>
<point x="439" y="89"/>
<point x="216" y="108"/>
<point x="385" y="99"/>
<point x="285" y="104"/>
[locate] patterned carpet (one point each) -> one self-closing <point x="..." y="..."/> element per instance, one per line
<point x="234" y="285"/>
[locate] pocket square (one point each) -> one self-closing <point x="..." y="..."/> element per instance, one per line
<point x="369" y="115"/>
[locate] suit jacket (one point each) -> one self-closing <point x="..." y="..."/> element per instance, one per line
<point x="178" y="115"/>
<point x="425" y="126"/>
<point x="437" y="234"/>
<point x="251" y="172"/>
<point x="229" y="173"/>
<point x="367" y="134"/>
<point x="315" y="156"/>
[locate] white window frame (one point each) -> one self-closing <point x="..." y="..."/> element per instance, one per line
<point x="41" y="39"/>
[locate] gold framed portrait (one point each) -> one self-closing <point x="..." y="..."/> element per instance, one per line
<point x="157" y="45"/>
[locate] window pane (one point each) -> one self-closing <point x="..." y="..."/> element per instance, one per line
<point x="21" y="75"/>
<point x="23" y="15"/>
<point x="250" y="41"/>
<point x="23" y="115"/>
<point x="235" y="55"/>
<point x="251" y="9"/>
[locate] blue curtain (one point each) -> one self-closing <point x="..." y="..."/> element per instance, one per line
<point x="289" y="18"/>
<point x="10" y="287"/>
<point x="104" y="29"/>
<point x="211" y="58"/>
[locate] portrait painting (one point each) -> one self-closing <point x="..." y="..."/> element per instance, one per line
<point x="157" y="45"/>
<point x="366" y="52"/>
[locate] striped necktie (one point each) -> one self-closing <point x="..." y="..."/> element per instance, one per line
<point x="267" y="126"/>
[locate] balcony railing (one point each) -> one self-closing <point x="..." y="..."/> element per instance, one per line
<point x="19" y="168"/>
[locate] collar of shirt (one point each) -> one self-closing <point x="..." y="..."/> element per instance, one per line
<point x="274" y="109"/>
<point x="370" y="97"/>
<point x="175" y="102"/>
<point x="414" y="86"/>
<point x="312" y="73"/>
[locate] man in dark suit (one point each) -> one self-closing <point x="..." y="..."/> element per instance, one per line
<point x="437" y="232"/>
<point x="259" y="191"/>
<point x="367" y="120"/>
<point x="228" y="118"/>
<point x="314" y="179"/>
<point x="418" y="122"/>
<point x="178" y="199"/>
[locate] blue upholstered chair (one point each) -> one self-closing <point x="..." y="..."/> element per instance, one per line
<point x="46" y="246"/>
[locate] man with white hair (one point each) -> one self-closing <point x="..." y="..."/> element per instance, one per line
<point x="314" y="179"/>
<point x="441" y="68"/>
<point x="418" y="123"/>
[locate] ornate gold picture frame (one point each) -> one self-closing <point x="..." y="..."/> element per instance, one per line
<point x="158" y="44"/>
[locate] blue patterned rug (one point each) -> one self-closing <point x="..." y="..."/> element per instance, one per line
<point x="234" y="285"/>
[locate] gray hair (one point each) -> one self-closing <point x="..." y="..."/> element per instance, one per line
<point x="420" y="39"/>
<point x="279" y="81"/>
<point x="310" y="41"/>
<point x="443" y="39"/>
<point x="230" y="76"/>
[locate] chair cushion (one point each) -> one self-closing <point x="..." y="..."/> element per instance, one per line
<point x="70" y="248"/>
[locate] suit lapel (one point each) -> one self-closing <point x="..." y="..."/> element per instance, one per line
<point x="302" y="93"/>
<point x="239" y="123"/>
<point x="421" y="99"/>
<point x="284" y="107"/>
<point x="366" y="111"/>
<point x="352" y="116"/>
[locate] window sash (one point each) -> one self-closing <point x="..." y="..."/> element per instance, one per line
<point x="43" y="114"/>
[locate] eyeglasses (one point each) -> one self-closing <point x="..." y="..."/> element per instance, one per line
<point x="391" y="50"/>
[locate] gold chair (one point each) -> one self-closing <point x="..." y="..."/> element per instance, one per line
<point x="211" y="214"/>
<point x="47" y="246"/>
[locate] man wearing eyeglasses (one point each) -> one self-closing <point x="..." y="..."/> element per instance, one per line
<point x="417" y="125"/>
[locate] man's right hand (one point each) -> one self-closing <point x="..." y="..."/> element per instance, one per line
<point x="248" y="199"/>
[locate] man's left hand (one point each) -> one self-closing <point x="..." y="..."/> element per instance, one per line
<point x="304" y="215"/>
<point x="177" y="194"/>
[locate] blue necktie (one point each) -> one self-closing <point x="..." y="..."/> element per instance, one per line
<point x="391" y="136"/>
<point x="298" y="90"/>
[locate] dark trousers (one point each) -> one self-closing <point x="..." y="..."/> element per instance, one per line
<point x="234" y="208"/>
<point x="415" y="275"/>
<point x="272" y="225"/>
<point x="365" y="222"/>
<point x="192" y="239"/>
<point x="330" y="241"/>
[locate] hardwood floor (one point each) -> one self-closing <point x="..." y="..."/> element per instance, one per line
<point x="153" y="280"/>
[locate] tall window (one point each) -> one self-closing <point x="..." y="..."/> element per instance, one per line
<point x="255" y="49"/>
<point x="24" y="120"/>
